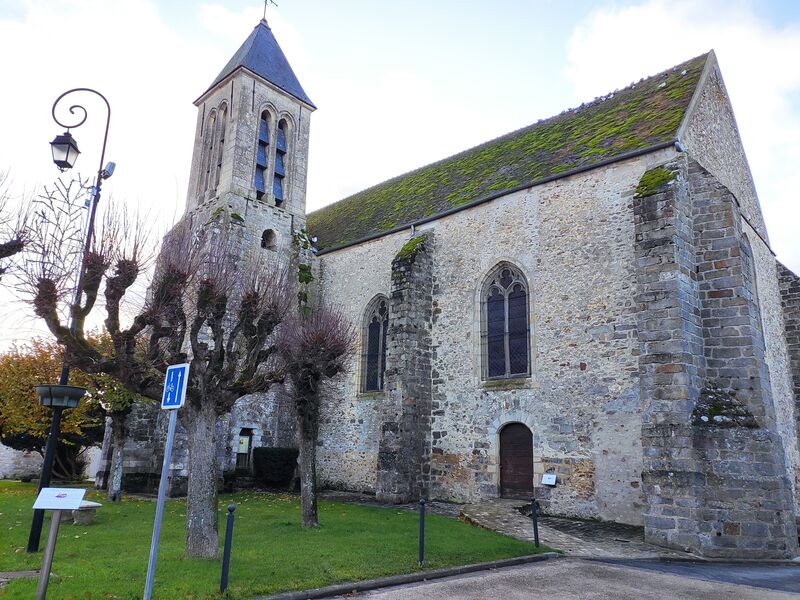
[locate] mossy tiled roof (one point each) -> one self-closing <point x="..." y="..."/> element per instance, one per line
<point x="640" y="116"/>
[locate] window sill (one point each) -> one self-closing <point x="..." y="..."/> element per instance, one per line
<point x="370" y="395"/>
<point x="500" y="385"/>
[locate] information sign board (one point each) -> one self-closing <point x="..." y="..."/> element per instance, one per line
<point x="59" y="499"/>
<point x="175" y="386"/>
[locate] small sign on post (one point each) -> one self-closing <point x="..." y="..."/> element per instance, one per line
<point x="175" y="386"/>
<point x="174" y="396"/>
<point x="55" y="499"/>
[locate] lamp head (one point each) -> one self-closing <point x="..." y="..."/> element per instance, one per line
<point x="66" y="396"/>
<point x="65" y="151"/>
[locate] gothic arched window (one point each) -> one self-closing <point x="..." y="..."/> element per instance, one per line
<point x="223" y="118"/>
<point x="505" y="331"/>
<point x="280" y="162"/>
<point x="373" y="356"/>
<point x="262" y="155"/>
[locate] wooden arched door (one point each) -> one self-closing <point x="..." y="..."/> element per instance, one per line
<point x="516" y="461"/>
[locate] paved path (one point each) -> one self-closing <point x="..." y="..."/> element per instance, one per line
<point x="574" y="579"/>
<point x="572" y="536"/>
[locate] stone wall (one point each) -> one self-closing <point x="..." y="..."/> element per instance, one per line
<point x="711" y="137"/>
<point x="351" y="420"/>
<point x="790" y="301"/>
<point x="714" y="468"/>
<point x="15" y="464"/>
<point x="572" y="240"/>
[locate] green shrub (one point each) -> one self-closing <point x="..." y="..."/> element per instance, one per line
<point x="274" y="466"/>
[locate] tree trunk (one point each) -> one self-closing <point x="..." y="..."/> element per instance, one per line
<point x="118" y="445"/>
<point x="308" y="475"/>
<point x="201" y="501"/>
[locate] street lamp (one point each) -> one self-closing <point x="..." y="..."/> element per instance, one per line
<point x="65" y="396"/>
<point x="61" y="396"/>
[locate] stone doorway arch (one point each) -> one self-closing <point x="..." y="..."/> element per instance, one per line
<point x="516" y="461"/>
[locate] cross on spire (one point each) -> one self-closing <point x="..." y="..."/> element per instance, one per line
<point x="266" y="3"/>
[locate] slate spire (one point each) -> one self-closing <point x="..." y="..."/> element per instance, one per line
<point x="261" y="54"/>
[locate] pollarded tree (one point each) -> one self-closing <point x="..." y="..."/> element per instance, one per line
<point x="315" y="345"/>
<point x="203" y="307"/>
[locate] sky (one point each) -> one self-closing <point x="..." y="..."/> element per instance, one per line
<point x="397" y="85"/>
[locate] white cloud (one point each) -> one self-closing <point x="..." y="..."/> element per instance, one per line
<point x="613" y="47"/>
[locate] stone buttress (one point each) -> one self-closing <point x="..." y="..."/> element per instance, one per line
<point x="404" y="446"/>
<point x="714" y="471"/>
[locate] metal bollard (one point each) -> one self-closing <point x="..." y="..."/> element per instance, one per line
<point x="421" y="531"/>
<point x="535" y="517"/>
<point x="226" y="553"/>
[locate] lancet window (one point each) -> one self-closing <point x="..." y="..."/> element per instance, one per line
<point x="373" y="356"/>
<point x="505" y="327"/>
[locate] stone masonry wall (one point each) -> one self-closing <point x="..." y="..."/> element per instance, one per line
<point x="350" y="431"/>
<point x="572" y="240"/>
<point x="711" y="137"/>
<point x="790" y="300"/>
<point x="714" y="468"/>
<point x="404" y="447"/>
<point x="15" y="464"/>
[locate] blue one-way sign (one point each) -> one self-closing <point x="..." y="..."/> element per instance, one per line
<point x="175" y="386"/>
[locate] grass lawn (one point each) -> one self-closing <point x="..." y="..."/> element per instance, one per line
<point x="271" y="552"/>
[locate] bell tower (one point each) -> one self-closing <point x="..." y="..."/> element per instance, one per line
<point x="251" y="144"/>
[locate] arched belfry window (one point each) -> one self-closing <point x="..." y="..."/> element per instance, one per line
<point x="223" y="121"/>
<point x="268" y="240"/>
<point x="280" y="162"/>
<point x="262" y="155"/>
<point x="208" y="152"/>
<point x="373" y="356"/>
<point x="505" y="330"/>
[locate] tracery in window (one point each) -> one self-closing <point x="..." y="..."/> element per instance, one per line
<point x="262" y="155"/>
<point x="373" y="356"/>
<point x="280" y="162"/>
<point x="505" y="331"/>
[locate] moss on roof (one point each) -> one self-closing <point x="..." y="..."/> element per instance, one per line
<point x="642" y="115"/>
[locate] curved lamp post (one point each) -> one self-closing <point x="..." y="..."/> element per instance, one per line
<point x="61" y="396"/>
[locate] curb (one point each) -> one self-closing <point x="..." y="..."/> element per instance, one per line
<point x="394" y="580"/>
<point x="696" y="560"/>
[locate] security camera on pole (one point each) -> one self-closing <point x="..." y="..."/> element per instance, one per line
<point x="173" y="398"/>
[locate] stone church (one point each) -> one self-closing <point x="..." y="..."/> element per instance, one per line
<point x="586" y="309"/>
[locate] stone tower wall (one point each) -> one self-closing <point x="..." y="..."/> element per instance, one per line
<point x="246" y="97"/>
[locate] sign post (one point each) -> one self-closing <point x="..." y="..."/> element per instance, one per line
<point x="55" y="499"/>
<point x="172" y="399"/>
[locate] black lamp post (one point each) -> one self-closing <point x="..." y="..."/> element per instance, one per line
<point x="61" y="396"/>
